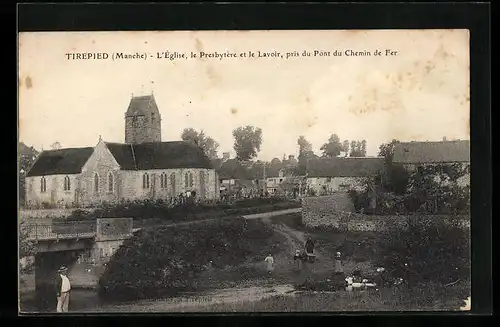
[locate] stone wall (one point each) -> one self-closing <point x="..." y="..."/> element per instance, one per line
<point x="54" y="194"/>
<point x="113" y="228"/>
<point x="327" y="211"/>
<point x="102" y="163"/>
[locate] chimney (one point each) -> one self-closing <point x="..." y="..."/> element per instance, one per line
<point x="225" y="156"/>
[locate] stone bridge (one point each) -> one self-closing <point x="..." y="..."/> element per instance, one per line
<point x="82" y="246"/>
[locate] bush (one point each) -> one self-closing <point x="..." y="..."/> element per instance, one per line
<point x="429" y="250"/>
<point x="167" y="260"/>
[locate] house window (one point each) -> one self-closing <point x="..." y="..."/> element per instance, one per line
<point x="67" y="184"/>
<point x="96" y="183"/>
<point x="43" y="185"/>
<point x="110" y="182"/>
<point x="145" y="180"/>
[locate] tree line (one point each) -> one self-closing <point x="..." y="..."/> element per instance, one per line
<point x="248" y="140"/>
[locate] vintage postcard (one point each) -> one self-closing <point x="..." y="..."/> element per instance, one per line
<point x="244" y="171"/>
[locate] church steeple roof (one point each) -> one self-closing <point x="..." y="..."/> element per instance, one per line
<point x="142" y="105"/>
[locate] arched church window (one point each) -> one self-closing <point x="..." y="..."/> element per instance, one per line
<point x="110" y="182"/>
<point x="145" y="180"/>
<point x="186" y="180"/>
<point x="43" y="185"/>
<point x="163" y="180"/>
<point x="152" y="117"/>
<point x="67" y="185"/>
<point x="96" y="183"/>
<point x="191" y="180"/>
<point x="172" y="182"/>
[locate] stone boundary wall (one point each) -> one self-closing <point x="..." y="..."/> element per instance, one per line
<point x="322" y="212"/>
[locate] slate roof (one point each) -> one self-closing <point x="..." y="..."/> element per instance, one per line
<point x="62" y="161"/>
<point x="142" y="105"/>
<point x="432" y="152"/>
<point x="159" y="155"/>
<point x="344" y="167"/>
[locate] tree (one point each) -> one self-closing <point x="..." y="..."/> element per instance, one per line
<point x="27" y="156"/>
<point x="56" y="145"/>
<point x="208" y="144"/>
<point x="358" y="149"/>
<point x="386" y="150"/>
<point x="345" y="147"/>
<point x="27" y="247"/>
<point x="247" y="142"/>
<point x="333" y="147"/>
<point x="305" y="153"/>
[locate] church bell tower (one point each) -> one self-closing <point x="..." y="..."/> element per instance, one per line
<point x="142" y="120"/>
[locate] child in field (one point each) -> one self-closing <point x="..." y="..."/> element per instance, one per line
<point x="298" y="259"/>
<point x="269" y="260"/>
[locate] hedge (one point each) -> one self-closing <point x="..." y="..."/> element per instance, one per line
<point x="429" y="250"/>
<point x="184" y="212"/>
<point x="167" y="260"/>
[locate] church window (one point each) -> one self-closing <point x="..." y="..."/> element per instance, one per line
<point x="152" y="117"/>
<point x="67" y="184"/>
<point x="96" y="183"/>
<point x="145" y="180"/>
<point x="43" y="185"/>
<point x="188" y="180"/>
<point x="110" y="182"/>
<point x="163" y="180"/>
<point x="172" y="182"/>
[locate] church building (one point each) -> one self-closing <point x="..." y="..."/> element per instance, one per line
<point x="142" y="168"/>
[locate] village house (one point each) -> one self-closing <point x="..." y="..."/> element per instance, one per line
<point x="142" y="168"/>
<point x="413" y="155"/>
<point x="236" y="179"/>
<point x="329" y="175"/>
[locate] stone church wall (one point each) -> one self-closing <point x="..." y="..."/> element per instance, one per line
<point x="54" y="194"/>
<point x="101" y="162"/>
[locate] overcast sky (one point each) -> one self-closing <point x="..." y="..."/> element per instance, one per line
<point x="422" y="93"/>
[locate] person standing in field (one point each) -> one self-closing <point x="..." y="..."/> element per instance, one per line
<point x="269" y="261"/>
<point x="63" y="288"/>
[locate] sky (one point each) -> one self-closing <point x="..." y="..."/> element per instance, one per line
<point x="421" y="93"/>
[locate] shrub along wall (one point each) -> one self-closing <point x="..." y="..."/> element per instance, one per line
<point x="163" y="261"/>
<point x="184" y="212"/>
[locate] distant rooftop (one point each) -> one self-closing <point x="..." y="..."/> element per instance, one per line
<point x="432" y="152"/>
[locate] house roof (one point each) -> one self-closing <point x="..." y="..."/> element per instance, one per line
<point x="159" y="155"/>
<point x="344" y="167"/>
<point x="62" y="161"/>
<point x="232" y="169"/>
<point x="432" y="152"/>
<point x="142" y="105"/>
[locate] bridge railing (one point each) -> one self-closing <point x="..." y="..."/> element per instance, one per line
<point x="60" y="230"/>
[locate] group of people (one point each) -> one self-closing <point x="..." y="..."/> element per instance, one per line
<point x="299" y="257"/>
